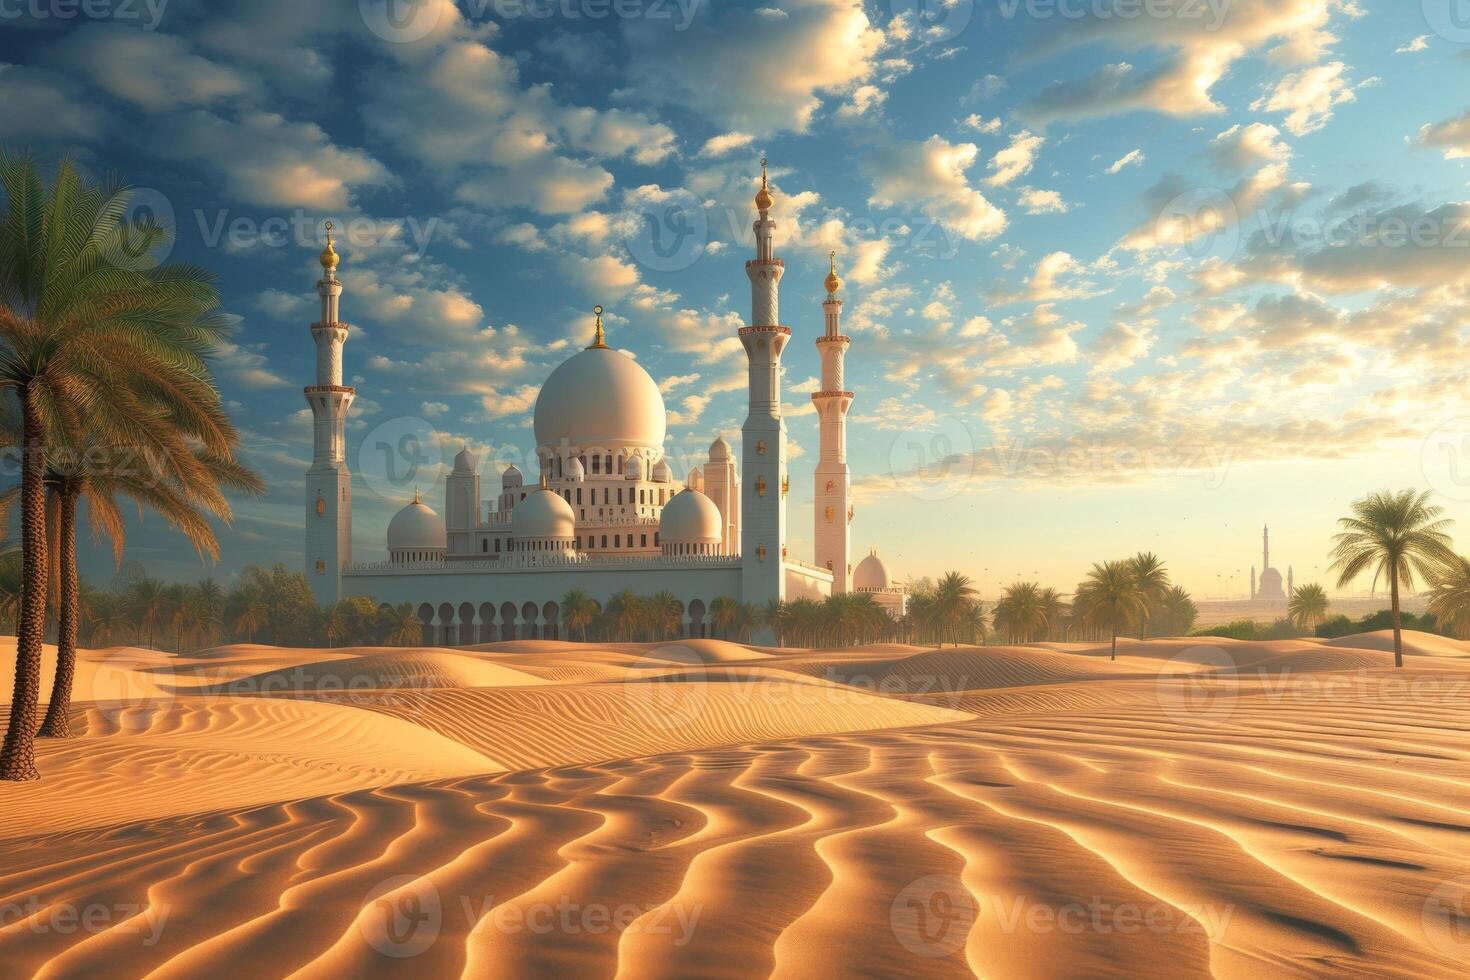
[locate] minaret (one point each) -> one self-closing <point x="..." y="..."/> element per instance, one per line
<point x="833" y="496"/>
<point x="763" y="449"/>
<point x="1290" y="582"/>
<point x="328" y="481"/>
<point x="1265" y="548"/>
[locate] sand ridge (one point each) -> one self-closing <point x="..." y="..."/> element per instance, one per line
<point x="1292" y="808"/>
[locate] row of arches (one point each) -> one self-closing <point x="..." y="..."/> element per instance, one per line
<point x="466" y="624"/>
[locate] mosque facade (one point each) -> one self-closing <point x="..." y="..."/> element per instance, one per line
<point x="604" y="513"/>
<point x="1269" y="586"/>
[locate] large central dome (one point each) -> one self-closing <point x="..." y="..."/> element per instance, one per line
<point x="600" y="398"/>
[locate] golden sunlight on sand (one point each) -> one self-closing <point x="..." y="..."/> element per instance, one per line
<point x="702" y="809"/>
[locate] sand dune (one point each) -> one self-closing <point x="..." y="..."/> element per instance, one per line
<point x="1227" y="809"/>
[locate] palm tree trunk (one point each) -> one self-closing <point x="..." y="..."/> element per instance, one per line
<point x="58" y="712"/>
<point x="1398" y="636"/>
<point x="18" y="755"/>
<point x="1115" y="639"/>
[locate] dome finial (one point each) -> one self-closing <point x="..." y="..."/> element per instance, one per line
<point x="834" y="281"/>
<point x="763" y="198"/>
<point x="329" y="258"/>
<point x="416" y="498"/>
<point x="599" y="339"/>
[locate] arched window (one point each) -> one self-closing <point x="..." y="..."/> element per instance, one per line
<point x="596" y="464"/>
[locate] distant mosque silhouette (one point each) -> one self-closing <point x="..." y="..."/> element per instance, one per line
<point x="1269" y="586"/>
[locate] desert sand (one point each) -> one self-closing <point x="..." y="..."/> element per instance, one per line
<point x="705" y="809"/>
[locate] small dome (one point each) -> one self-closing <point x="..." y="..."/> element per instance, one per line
<point x="871" y="575"/>
<point x="544" y="514"/>
<point x="573" y="469"/>
<point x="719" y="451"/>
<point x="763" y="198"/>
<point x="511" y="477"/>
<point x="602" y="398"/>
<point x="416" y="528"/>
<point x="662" y="472"/>
<point x="690" y="518"/>
<point x="465" y="461"/>
<point x="328" y="258"/>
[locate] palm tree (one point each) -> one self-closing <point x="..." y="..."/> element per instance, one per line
<point x="405" y="629"/>
<point x="107" y="619"/>
<point x="954" y="596"/>
<point x="1054" y="613"/>
<point x="777" y="615"/>
<point x="1397" y="535"/>
<point x="335" y="624"/>
<point x="1021" y="613"/>
<point x="723" y="613"/>
<point x="251" y="611"/>
<point x="666" y="615"/>
<point x="1111" y="597"/>
<point x="95" y="336"/>
<point x="578" y="609"/>
<point x="1449" y="599"/>
<point x="1308" y="606"/>
<point x="1181" y="611"/>
<point x="1153" y="581"/>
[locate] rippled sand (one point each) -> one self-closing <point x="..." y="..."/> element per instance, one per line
<point x="1294" y="808"/>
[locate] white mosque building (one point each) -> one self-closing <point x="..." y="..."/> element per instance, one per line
<point x="605" y="513"/>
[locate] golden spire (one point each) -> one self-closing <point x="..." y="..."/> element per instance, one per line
<point x="416" y="498"/>
<point x="834" y="281"/>
<point x="599" y="340"/>
<point x="328" y="257"/>
<point x="763" y="198"/>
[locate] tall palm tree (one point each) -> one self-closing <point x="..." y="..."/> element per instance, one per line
<point x="1449" y="599"/>
<point x="1054" y="613"/>
<point x="1397" y="535"/>
<point x="94" y="336"/>
<point x="1180" y="610"/>
<point x="1308" y="606"/>
<point x="1020" y="612"/>
<point x="665" y="614"/>
<point x="954" y="596"/>
<point x="777" y="615"/>
<point x="723" y="613"/>
<point x="405" y="629"/>
<point x="578" y="609"/>
<point x="1111" y="597"/>
<point x="1153" y="581"/>
<point x="252" y="613"/>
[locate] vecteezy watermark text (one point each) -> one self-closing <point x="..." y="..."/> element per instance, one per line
<point x="150" y="12"/>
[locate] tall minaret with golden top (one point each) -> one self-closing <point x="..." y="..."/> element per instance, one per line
<point x="328" y="481"/>
<point x="763" y="437"/>
<point x="833" y="492"/>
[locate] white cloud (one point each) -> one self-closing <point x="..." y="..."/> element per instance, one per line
<point x="751" y="70"/>
<point x="153" y="71"/>
<point x="726" y="143"/>
<point x="1016" y="159"/>
<point x="1420" y="43"/>
<point x="40" y="105"/>
<point x="1308" y="97"/>
<point x="932" y="175"/>
<point x="1241" y="147"/>
<point x="266" y="159"/>
<point x="1037" y="201"/>
<point x="1451" y="136"/>
<point x="1133" y="158"/>
<point x="982" y="125"/>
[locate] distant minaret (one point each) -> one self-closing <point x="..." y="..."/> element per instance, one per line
<point x="1265" y="548"/>
<point x="328" y="481"/>
<point x="1290" y="582"/>
<point x="763" y="449"/>
<point x="833" y="496"/>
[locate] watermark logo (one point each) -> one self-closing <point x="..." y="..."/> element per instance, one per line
<point x="933" y="459"/>
<point x="1450" y="19"/>
<point x="130" y="686"/>
<point x="1446" y="919"/>
<point x="399" y="456"/>
<point x="149" y="13"/>
<point x="667" y="687"/>
<point x="668" y="234"/>
<point x="1201" y="688"/>
<point x="401" y="21"/>
<point x="1203" y="221"/>
<point x="401" y="916"/>
<point x="932" y="916"/>
<point x="145" y="234"/>
<point x="933" y="21"/>
<point x="1444" y="459"/>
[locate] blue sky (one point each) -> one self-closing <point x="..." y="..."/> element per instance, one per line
<point x="1084" y="251"/>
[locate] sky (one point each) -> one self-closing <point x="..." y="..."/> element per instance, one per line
<point x="1120" y="275"/>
